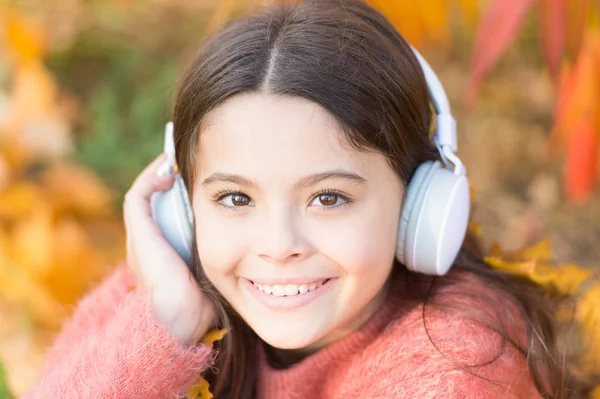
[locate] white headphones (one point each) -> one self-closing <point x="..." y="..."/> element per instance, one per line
<point x="434" y="215"/>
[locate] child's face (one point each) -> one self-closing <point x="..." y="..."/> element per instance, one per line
<point x="305" y="207"/>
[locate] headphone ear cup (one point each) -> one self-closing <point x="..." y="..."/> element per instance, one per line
<point x="414" y="189"/>
<point x="434" y="219"/>
<point x="172" y="212"/>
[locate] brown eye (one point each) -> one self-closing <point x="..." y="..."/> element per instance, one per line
<point x="240" y="200"/>
<point x="234" y="200"/>
<point x="328" y="199"/>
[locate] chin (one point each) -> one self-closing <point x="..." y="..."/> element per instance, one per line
<point x="287" y="339"/>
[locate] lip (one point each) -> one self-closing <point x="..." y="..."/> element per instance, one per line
<point x="290" y="302"/>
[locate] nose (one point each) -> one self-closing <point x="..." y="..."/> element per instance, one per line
<point x="281" y="240"/>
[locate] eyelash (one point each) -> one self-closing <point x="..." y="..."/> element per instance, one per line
<point x="220" y="195"/>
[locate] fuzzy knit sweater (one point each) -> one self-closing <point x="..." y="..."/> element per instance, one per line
<point x="112" y="347"/>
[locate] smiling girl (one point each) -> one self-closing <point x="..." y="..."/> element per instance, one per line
<point x="323" y="228"/>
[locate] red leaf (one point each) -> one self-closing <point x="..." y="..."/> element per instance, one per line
<point x="496" y="31"/>
<point x="581" y="162"/>
<point x="552" y="32"/>
<point x="577" y="96"/>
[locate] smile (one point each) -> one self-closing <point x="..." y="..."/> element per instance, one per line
<point x="289" y="296"/>
<point x="289" y="289"/>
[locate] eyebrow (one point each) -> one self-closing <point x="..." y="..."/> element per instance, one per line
<point x="304" y="182"/>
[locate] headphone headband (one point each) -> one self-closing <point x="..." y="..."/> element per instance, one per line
<point x="445" y="130"/>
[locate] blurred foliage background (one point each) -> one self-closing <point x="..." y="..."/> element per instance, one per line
<point x="86" y="88"/>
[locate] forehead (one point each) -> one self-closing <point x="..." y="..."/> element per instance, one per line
<point x="258" y="129"/>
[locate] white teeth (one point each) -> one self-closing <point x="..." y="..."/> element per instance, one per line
<point x="289" y="289"/>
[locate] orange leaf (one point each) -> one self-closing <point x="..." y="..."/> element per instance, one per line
<point x="581" y="162"/>
<point x="496" y="31"/>
<point x="405" y="16"/>
<point x="469" y="11"/>
<point x="214" y="335"/>
<point x="23" y="37"/>
<point x="552" y="27"/>
<point x="434" y="17"/>
<point x="75" y="189"/>
<point x="576" y="13"/>
<point x="33" y="242"/>
<point x="577" y="92"/>
<point x="72" y="249"/>
<point x="19" y="200"/>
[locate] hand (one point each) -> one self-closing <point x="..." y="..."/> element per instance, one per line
<point x="177" y="300"/>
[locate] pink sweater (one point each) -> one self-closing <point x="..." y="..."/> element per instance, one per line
<point x="112" y="347"/>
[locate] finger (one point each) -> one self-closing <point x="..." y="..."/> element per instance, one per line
<point x="149" y="182"/>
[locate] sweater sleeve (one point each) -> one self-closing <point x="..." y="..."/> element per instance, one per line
<point x="113" y="347"/>
<point x="92" y="311"/>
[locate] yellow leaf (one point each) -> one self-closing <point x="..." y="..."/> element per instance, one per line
<point x="19" y="200"/>
<point x="214" y="335"/>
<point x="469" y="11"/>
<point x="588" y="316"/>
<point x="76" y="190"/>
<point x="539" y="251"/>
<point x="434" y="18"/>
<point x="475" y="229"/>
<point x="523" y="269"/>
<point x="76" y="262"/>
<point x="473" y="192"/>
<point x="33" y="242"/>
<point x="24" y="289"/>
<point x="201" y="389"/>
<point x="24" y="38"/>
<point x="566" y="278"/>
<point x="405" y="15"/>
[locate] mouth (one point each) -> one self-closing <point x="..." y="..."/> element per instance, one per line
<point x="286" y="290"/>
<point x="290" y="296"/>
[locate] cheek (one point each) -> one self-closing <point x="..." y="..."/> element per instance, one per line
<point x="363" y="243"/>
<point x="220" y="244"/>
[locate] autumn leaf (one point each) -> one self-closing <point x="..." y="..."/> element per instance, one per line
<point x="552" y="32"/>
<point x="587" y="314"/>
<point x="534" y="262"/>
<point x="577" y="122"/>
<point x="19" y="200"/>
<point x="577" y="13"/>
<point x="77" y="190"/>
<point x="201" y="389"/>
<point x="496" y="31"/>
<point x="577" y="92"/>
<point x="25" y="39"/>
<point x="581" y="162"/>
<point x="470" y="11"/>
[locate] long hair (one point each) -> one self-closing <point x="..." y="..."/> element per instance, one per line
<point x="348" y="58"/>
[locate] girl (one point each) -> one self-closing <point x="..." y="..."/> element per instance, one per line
<point x="300" y="132"/>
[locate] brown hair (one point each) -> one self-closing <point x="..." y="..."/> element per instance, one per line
<point x="346" y="57"/>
